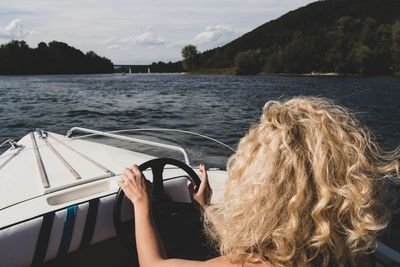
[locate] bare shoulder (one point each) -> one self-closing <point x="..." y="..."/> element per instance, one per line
<point x="223" y="262"/>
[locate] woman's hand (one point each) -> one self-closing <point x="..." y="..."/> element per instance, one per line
<point x="134" y="185"/>
<point x="203" y="195"/>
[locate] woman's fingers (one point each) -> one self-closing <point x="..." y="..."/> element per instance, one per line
<point x="137" y="174"/>
<point x="128" y="174"/>
<point x="133" y="184"/>
<point x="203" y="195"/>
<point x="128" y="184"/>
<point x="130" y="179"/>
<point x="202" y="168"/>
<point x="204" y="177"/>
<point x="190" y="187"/>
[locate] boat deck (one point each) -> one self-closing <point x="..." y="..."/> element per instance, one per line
<point x="48" y="174"/>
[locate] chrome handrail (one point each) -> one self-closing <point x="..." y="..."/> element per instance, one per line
<point x="176" y="130"/>
<point x="386" y="255"/>
<point x="130" y="139"/>
<point x="12" y="143"/>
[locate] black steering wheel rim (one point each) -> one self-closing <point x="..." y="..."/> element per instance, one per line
<point x="157" y="165"/>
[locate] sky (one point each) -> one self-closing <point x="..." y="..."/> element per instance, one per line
<point x="136" y="31"/>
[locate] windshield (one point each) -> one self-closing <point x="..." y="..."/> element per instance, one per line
<point x="199" y="148"/>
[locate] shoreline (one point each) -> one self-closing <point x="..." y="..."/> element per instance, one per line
<point x="230" y="71"/>
<point x="227" y="71"/>
<point x="314" y="73"/>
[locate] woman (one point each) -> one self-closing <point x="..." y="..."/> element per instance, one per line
<point x="306" y="187"/>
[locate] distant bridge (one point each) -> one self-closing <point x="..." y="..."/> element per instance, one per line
<point x="159" y="67"/>
<point x="132" y="68"/>
<point x="119" y="66"/>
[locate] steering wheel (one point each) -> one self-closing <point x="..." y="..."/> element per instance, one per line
<point x="174" y="220"/>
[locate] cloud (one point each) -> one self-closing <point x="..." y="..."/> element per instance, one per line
<point x="215" y="35"/>
<point x="149" y="39"/>
<point x="113" y="46"/>
<point x="108" y="41"/>
<point x="14" y="30"/>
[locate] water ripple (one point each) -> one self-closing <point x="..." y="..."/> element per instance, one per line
<point x="221" y="106"/>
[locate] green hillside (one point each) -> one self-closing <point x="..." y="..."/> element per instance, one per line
<point x="344" y="36"/>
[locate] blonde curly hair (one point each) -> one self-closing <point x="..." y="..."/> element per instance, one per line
<point x="306" y="187"/>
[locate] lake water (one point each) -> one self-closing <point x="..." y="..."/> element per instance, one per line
<point x="222" y="107"/>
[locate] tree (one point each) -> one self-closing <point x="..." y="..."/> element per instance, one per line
<point x="342" y="37"/>
<point x="396" y="45"/>
<point x="190" y="57"/>
<point x="360" y="58"/>
<point x="42" y="46"/>
<point x="298" y="56"/>
<point x="274" y="63"/>
<point x="369" y="32"/>
<point x="16" y="57"/>
<point x="248" y="62"/>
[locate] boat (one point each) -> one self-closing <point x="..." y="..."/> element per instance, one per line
<point x="60" y="203"/>
<point x="58" y="196"/>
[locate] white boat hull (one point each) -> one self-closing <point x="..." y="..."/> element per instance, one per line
<point x="39" y="223"/>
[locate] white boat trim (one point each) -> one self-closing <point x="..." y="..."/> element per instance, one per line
<point x="61" y="158"/>
<point x="12" y="155"/>
<point x="130" y="139"/>
<point x="95" y="163"/>
<point x="39" y="161"/>
<point x="78" y="182"/>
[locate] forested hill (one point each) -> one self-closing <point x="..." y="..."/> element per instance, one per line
<point x="16" y="57"/>
<point x="345" y="36"/>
